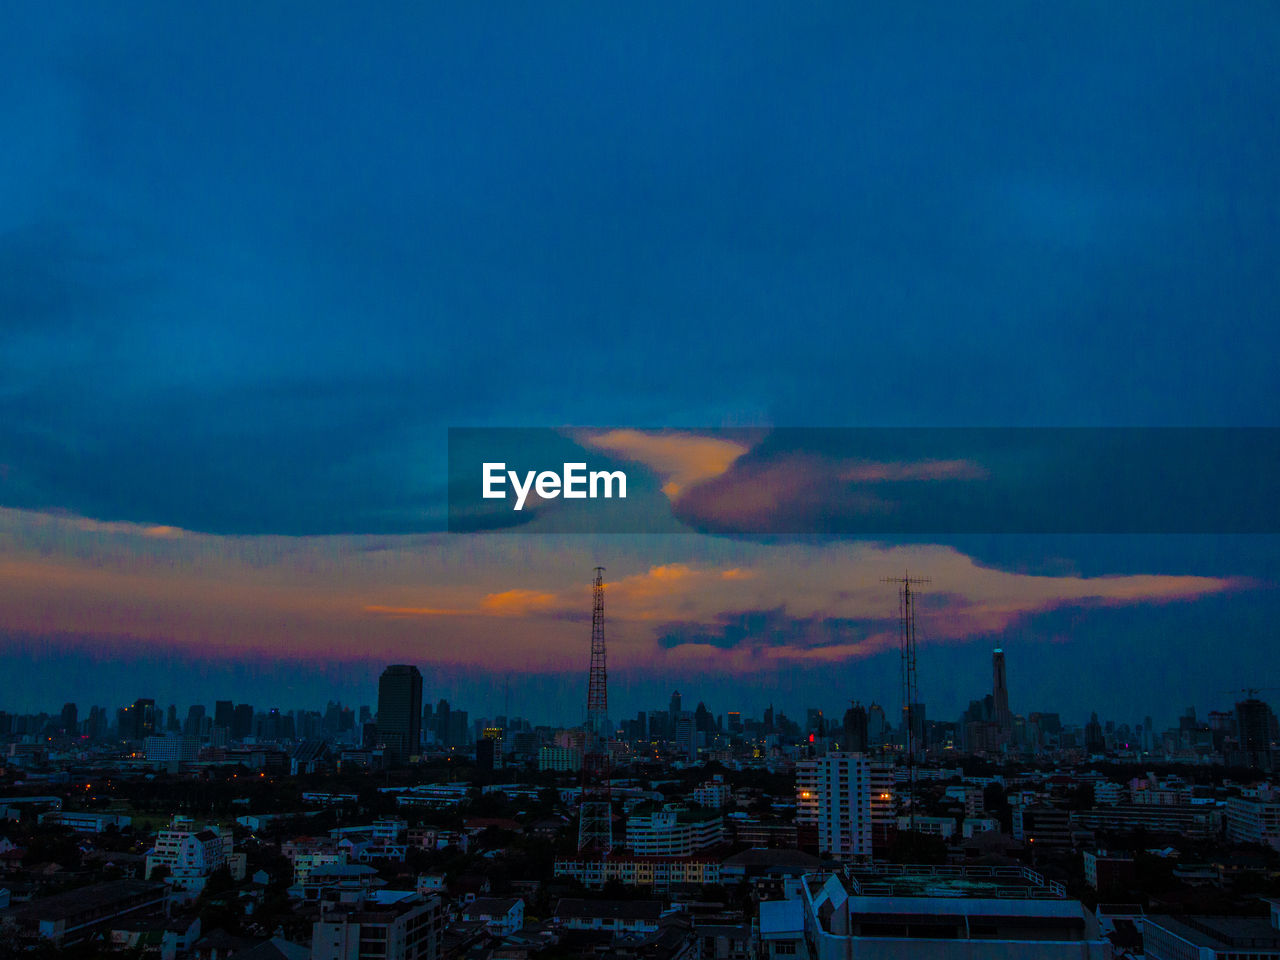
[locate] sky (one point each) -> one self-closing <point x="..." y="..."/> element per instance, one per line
<point x="255" y="262"/>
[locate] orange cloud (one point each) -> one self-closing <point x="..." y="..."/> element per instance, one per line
<point x="681" y="460"/>
<point x="870" y="471"/>
<point x="435" y="599"/>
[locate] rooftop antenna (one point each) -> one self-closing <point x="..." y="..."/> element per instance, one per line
<point x="910" y="683"/>
<point x="595" y="812"/>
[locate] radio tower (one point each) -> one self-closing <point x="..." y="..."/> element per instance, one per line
<point x="595" y="813"/>
<point x="910" y="683"/>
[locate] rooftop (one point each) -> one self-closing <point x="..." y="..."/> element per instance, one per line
<point x="1218" y="932"/>
<point x="570" y="908"/>
<point x="925" y="880"/>
<point x="99" y="898"/>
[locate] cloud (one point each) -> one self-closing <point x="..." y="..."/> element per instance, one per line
<point x="508" y="603"/>
<point x="522" y="603"/>
<point x="681" y="460"/>
<point x="872" y="472"/>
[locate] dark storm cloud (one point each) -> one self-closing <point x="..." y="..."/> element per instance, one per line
<point x="722" y="215"/>
<point x="916" y="481"/>
<point x="767" y="628"/>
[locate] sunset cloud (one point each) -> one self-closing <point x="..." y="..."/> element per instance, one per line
<point x="734" y="608"/>
<point x="681" y="460"/>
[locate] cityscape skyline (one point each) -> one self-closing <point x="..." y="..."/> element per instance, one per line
<point x="556" y="482"/>
<point x="228" y="377"/>
<point x="410" y="688"/>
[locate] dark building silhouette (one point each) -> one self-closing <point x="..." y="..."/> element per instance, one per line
<point x="1000" y="692"/>
<point x="1255" y="731"/>
<point x="224" y="713"/>
<point x="139" y="719"/>
<point x="243" y="725"/>
<point x="1094" y="742"/>
<point x="69" y="719"/>
<point x="855" y="729"/>
<point x="194" y="725"/>
<point x="400" y="710"/>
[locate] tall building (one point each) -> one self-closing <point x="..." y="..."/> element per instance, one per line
<point x="877" y="725"/>
<point x="194" y="725"/>
<point x="487" y="755"/>
<point x="442" y="722"/>
<point x="1094" y="741"/>
<point x="224" y="713"/>
<point x="70" y="726"/>
<point x="138" y="721"/>
<point x="243" y="726"/>
<point x="1255" y="731"/>
<point x="855" y="729"/>
<point x="400" y="710"/>
<point x="1000" y="691"/>
<point x="835" y="790"/>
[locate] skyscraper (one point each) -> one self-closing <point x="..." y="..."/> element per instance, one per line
<point x="224" y="714"/>
<point x="141" y="719"/>
<point x="877" y="725"/>
<point x="1000" y="692"/>
<point x="855" y="729"/>
<point x="70" y="726"/>
<point x="400" y="710"/>
<point x="1255" y="731"/>
<point x="243" y="726"/>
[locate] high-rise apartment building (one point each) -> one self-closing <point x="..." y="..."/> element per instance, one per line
<point x="835" y="791"/>
<point x="400" y="710"/>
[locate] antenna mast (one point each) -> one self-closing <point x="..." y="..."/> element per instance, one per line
<point x="595" y="813"/>
<point x="913" y="737"/>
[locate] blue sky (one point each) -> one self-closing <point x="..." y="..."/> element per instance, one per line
<point x="255" y="261"/>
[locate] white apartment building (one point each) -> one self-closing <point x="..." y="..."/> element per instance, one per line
<point x="1254" y="819"/>
<point x="835" y="792"/>
<point x="189" y="854"/>
<point x="808" y="782"/>
<point x="673" y="833"/>
<point x="944" y="827"/>
<point x="559" y="759"/>
<point x="714" y="794"/>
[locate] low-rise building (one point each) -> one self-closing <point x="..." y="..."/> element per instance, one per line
<point x="674" y="832"/>
<point x="1211" y="938"/>
<point x="84" y="821"/>
<point x="1254" y="819"/>
<point x="614" y="916"/>
<point x="714" y="794"/>
<point x="1108" y="871"/>
<point x="660" y="873"/>
<point x="407" y="928"/>
<point x="501" y="916"/>
<point x="189" y="855"/>
<point x="904" y="912"/>
<point x="67" y="918"/>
